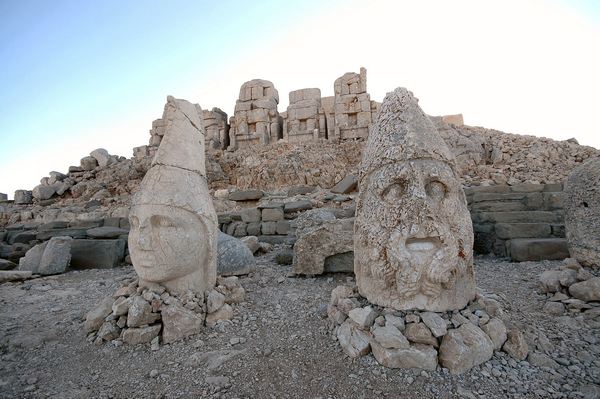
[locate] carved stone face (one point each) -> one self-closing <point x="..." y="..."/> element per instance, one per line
<point x="414" y="237"/>
<point x="166" y="243"/>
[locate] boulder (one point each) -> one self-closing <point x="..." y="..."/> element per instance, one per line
<point x="550" y="281"/>
<point x="233" y="256"/>
<point x="44" y="192"/>
<point x="97" y="254"/>
<point x="415" y="356"/>
<point x="465" y="347"/>
<point x="179" y="323"/>
<point x="252" y="243"/>
<point x="319" y="241"/>
<point x="88" y="163"/>
<point x="516" y="345"/>
<point x="588" y="290"/>
<point x="496" y="330"/>
<point x="33" y="257"/>
<point x="56" y="256"/>
<point x="224" y="313"/>
<point x="101" y="156"/>
<point x="582" y="212"/>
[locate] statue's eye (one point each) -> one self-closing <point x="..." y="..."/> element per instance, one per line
<point x="394" y="192"/>
<point x="436" y="190"/>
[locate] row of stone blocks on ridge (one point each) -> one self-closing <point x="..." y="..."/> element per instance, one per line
<point x="98" y="244"/>
<point x="523" y="222"/>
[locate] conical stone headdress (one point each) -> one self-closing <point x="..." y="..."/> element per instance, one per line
<point x="178" y="174"/>
<point x="402" y="132"/>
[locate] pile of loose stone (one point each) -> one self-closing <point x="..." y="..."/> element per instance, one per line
<point x="140" y="314"/>
<point x="571" y="287"/>
<point x="456" y="340"/>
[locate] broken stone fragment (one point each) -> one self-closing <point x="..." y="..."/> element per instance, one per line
<point x="134" y="336"/>
<point x="354" y="341"/>
<point x="95" y="317"/>
<point x="364" y="317"/>
<point x="587" y="291"/>
<point x="516" y="345"/>
<point x="436" y="324"/>
<point x="179" y="323"/>
<point x="140" y="313"/>
<point x="121" y="306"/>
<point x="415" y="356"/>
<point x="389" y="337"/>
<point x="496" y="330"/>
<point x="214" y="301"/>
<point x="420" y="334"/>
<point x="465" y="347"/>
<point x="109" y="331"/>
<point x="224" y="313"/>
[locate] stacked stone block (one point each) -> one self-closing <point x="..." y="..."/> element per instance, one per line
<point x="217" y="129"/>
<point x="523" y="222"/>
<point x="256" y="119"/>
<point x="305" y="119"/>
<point x="352" y="108"/>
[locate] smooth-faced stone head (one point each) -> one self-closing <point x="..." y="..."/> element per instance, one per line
<point x="173" y="237"/>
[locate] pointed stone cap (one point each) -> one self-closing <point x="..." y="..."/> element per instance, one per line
<point x="402" y="132"/>
<point x="183" y="143"/>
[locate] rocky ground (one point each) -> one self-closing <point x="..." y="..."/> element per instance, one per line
<point x="278" y="346"/>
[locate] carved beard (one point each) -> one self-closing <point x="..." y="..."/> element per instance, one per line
<point x="417" y="265"/>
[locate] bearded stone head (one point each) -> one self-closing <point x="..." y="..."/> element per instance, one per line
<point x="413" y="233"/>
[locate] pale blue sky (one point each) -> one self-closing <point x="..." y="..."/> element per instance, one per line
<point x="79" y="75"/>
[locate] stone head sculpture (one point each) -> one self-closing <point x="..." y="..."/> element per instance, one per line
<point x="173" y="237"/>
<point x="413" y="234"/>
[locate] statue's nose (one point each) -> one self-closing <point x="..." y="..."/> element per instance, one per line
<point x="144" y="239"/>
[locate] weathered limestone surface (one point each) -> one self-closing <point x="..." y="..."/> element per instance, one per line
<point x="413" y="233"/>
<point x="582" y="213"/>
<point x="217" y="129"/>
<point x="320" y="236"/>
<point x="255" y="119"/>
<point x="173" y="238"/>
<point x="353" y="110"/>
<point x="305" y="119"/>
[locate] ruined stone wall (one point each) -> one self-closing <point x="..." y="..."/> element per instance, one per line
<point x="255" y="120"/>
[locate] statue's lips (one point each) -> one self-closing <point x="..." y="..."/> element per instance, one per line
<point x="426" y="244"/>
<point x="145" y="261"/>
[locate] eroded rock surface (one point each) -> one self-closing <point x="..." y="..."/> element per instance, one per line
<point x="413" y="233"/>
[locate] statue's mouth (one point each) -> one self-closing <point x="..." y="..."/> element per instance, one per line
<point x="426" y="244"/>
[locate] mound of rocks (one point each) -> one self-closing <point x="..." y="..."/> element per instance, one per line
<point x="149" y="313"/>
<point x="571" y="287"/>
<point x="456" y="340"/>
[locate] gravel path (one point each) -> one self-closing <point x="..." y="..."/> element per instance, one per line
<point x="279" y="345"/>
